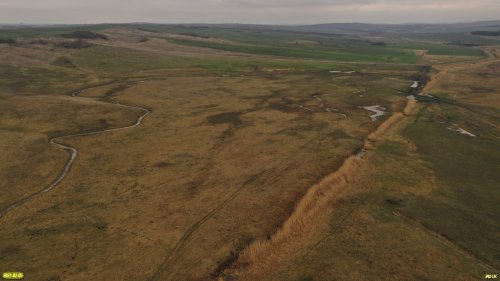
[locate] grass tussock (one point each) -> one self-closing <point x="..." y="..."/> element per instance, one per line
<point x="410" y="107"/>
<point x="384" y="127"/>
<point x="314" y="202"/>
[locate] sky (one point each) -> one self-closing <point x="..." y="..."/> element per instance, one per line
<point x="247" y="11"/>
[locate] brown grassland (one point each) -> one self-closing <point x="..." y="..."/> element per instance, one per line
<point x="246" y="167"/>
<point x="384" y="217"/>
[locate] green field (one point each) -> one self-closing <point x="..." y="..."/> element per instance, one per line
<point x="348" y="52"/>
<point x="437" y="49"/>
<point x="457" y="37"/>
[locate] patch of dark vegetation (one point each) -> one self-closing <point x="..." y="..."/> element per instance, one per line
<point x="31" y="80"/>
<point x="394" y="201"/>
<point x="104" y="122"/>
<point x="284" y="104"/>
<point x="281" y="107"/>
<point x="182" y="159"/>
<point x="481" y="88"/>
<point x="143" y="39"/>
<point x="9" y="250"/>
<point x="458" y="223"/>
<point x="380" y="43"/>
<point x="163" y="164"/>
<point x="35" y="232"/>
<point x="201" y="111"/>
<point x="226" y="263"/>
<point x="63" y="62"/>
<point x="300" y="131"/>
<point x="40" y="42"/>
<point x="194" y="35"/>
<point x="393" y="148"/>
<point x="77" y="44"/>
<point x="486" y="33"/>
<point x="109" y="94"/>
<point x="207" y="106"/>
<point x="148" y="30"/>
<point x="7" y="41"/>
<point x="463" y="44"/>
<point x="468" y="193"/>
<point x="94" y="86"/>
<point x="262" y="97"/>
<point x="340" y="134"/>
<point x="74" y="202"/>
<point x="83" y="34"/>
<point x="101" y="225"/>
<point x="225" y="118"/>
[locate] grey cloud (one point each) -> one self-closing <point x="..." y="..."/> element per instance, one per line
<point x="295" y="3"/>
<point x="247" y="11"/>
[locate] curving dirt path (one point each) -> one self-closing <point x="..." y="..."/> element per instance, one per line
<point x="73" y="152"/>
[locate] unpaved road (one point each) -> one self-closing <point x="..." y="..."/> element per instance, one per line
<point x="73" y="152"/>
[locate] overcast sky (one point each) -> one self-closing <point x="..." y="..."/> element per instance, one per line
<point x="247" y="11"/>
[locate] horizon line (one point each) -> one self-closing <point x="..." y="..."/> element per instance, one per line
<point x="261" y="24"/>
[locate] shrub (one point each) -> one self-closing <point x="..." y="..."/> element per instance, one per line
<point x="79" y="34"/>
<point x="7" y="41"/>
<point x="78" y="44"/>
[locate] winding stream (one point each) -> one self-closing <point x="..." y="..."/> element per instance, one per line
<point x="73" y="152"/>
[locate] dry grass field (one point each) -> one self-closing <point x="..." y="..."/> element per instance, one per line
<point x="420" y="206"/>
<point x="235" y="143"/>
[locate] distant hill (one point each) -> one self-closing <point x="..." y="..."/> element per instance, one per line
<point x="349" y="28"/>
<point x="486" y="33"/>
<point x="366" y="28"/>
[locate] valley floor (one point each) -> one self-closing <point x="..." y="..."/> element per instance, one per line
<point x="195" y="161"/>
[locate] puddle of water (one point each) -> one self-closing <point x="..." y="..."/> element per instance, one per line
<point x="377" y="110"/>
<point x="306" y="108"/>
<point x="338" y="71"/>
<point x="361" y="153"/>
<point x="415" y="84"/>
<point x="462" y="131"/>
